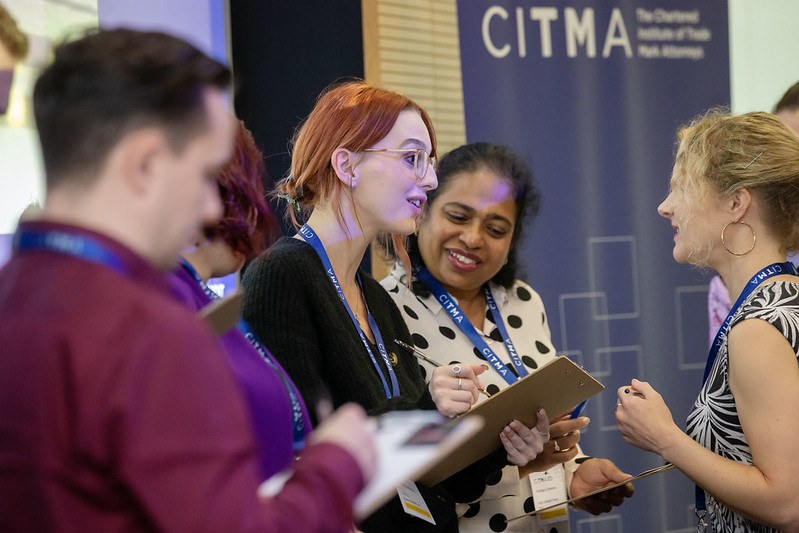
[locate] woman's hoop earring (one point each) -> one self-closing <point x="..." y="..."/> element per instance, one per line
<point x="754" y="237"/>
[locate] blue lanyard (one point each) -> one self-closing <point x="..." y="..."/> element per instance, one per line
<point x="252" y="338"/>
<point x="294" y="396"/>
<point x="449" y="305"/>
<point x="70" y="243"/>
<point x="311" y="238"/>
<point x="191" y="270"/>
<point x="774" y="269"/>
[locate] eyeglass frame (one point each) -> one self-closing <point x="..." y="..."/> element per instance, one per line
<point x="430" y="159"/>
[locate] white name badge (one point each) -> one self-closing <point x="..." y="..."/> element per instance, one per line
<point x="548" y="489"/>
<point x="413" y="503"/>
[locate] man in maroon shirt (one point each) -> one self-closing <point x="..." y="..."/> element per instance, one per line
<point x="117" y="411"/>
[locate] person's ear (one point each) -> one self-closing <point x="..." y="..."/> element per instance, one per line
<point x="139" y="159"/>
<point x="739" y="203"/>
<point x="344" y="162"/>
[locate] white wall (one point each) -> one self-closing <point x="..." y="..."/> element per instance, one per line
<point x="764" y="52"/>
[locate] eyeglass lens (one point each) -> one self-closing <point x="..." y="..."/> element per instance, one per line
<point x="421" y="163"/>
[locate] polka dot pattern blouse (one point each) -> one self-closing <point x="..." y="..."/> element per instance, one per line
<point x="434" y="332"/>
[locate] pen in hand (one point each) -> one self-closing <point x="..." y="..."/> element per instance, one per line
<point x="578" y="410"/>
<point x="423" y="357"/>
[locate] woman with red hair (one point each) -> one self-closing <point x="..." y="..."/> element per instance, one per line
<point x="361" y="167"/>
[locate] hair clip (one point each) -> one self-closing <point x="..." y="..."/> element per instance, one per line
<point x="755" y="159"/>
<point x="292" y="200"/>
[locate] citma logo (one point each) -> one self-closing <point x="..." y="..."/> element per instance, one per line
<point x="334" y="279"/>
<point x="647" y="33"/>
<point x="451" y="308"/>
<point x="580" y="30"/>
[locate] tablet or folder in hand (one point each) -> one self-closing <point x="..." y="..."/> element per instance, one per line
<point x="223" y="315"/>
<point x="408" y="443"/>
<point x="557" y="386"/>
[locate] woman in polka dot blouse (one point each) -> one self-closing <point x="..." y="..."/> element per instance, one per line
<point x="464" y="295"/>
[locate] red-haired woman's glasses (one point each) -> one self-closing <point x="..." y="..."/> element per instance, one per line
<point x="415" y="159"/>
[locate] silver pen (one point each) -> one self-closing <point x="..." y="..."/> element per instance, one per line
<point x="421" y="355"/>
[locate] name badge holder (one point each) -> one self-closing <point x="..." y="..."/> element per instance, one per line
<point x="549" y="489"/>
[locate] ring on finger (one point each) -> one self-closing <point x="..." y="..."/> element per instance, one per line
<point x="456" y="369"/>
<point x="545" y="435"/>
<point x="460" y="384"/>
<point x="555" y="442"/>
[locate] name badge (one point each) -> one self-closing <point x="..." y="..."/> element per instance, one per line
<point x="548" y="489"/>
<point x="413" y="503"/>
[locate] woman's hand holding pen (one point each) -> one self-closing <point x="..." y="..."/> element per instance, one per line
<point x="455" y="388"/>
<point x="643" y="418"/>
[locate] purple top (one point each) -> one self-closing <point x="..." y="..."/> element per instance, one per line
<point x="267" y="398"/>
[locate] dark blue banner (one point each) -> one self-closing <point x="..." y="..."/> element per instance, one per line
<point x="590" y="94"/>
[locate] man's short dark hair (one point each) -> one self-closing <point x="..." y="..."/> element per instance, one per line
<point x="108" y="83"/>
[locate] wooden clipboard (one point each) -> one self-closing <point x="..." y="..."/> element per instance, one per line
<point x="223" y="315"/>
<point x="556" y="386"/>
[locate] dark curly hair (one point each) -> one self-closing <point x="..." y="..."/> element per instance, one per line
<point x="502" y="161"/>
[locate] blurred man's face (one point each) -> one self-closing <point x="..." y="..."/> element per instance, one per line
<point x="188" y="195"/>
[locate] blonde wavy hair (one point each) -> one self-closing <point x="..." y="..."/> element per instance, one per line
<point x="719" y="153"/>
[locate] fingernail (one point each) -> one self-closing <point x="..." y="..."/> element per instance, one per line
<point x="485" y="366"/>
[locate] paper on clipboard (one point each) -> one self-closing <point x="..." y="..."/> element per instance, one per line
<point x="646" y="473"/>
<point x="557" y="386"/>
<point x="407" y="444"/>
<point x="223" y="315"/>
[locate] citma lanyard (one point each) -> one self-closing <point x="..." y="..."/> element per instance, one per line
<point x="774" y="269"/>
<point x="70" y="243"/>
<point x="451" y="307"/>
<point x="311" y="238"/>
<point x="252" y="338"/>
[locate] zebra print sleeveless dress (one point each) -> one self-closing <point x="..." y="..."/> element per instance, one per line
<point x="713" y="421"/>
